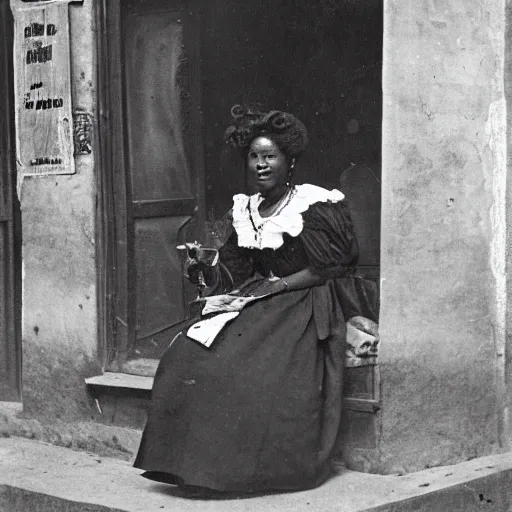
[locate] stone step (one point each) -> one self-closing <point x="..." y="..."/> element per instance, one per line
<point x="39" y="477"/>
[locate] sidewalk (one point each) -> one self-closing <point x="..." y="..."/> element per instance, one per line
<point x="37" y="477"/>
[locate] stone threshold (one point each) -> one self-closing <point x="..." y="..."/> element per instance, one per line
<point x="121" y="380"/>
<point x="42" y="477"/>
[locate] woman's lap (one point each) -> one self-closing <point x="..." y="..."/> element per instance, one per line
<point x="247" y="411"/>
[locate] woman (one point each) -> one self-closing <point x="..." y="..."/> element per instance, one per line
<point x="256" y="405"/>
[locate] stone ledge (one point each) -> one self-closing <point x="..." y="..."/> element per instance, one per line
<point x="37" y="476"/>
<point x="121" y="380"/>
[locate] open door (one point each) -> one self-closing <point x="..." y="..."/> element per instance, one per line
<point x="10" y="346"/>
<point x="156" y="169"/>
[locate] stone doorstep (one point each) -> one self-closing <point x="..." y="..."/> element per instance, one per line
<point x="43" y="477"/>
<point x="121" y="380"/>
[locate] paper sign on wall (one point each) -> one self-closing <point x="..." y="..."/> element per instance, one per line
<point x="44" y="120"/>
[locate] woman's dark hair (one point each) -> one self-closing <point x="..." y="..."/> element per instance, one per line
<point x="284" y="129"/>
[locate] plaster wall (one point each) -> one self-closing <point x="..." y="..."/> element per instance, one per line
<point x="59" y="309"/>
<point x="59" y="317"/>
<point x="443" y="295"/>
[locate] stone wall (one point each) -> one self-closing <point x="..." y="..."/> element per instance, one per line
<point x="59" y="266"/>
<point x="443" y="247"/>
<point x="59" y="317"/>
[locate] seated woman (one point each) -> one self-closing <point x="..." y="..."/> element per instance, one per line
<point x="258" y="408"/>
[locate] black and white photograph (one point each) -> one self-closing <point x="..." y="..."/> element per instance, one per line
<point x="254" y="256"/>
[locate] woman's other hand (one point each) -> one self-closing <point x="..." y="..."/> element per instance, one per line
<point x="268" y="286"/>
<point x="194" y="269"/>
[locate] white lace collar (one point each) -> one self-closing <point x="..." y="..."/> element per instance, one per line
<point x="257" y="232"/>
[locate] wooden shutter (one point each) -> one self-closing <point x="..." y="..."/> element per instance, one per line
<point x="156" y="167"/>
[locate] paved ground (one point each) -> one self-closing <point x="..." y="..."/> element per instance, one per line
<point x="39" y="477"/>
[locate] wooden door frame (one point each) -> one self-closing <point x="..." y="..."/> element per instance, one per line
<point x="12" y="217"/>
<point x="116" y="279"/>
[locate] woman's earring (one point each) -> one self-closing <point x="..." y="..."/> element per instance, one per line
<point x="292" y="165"/>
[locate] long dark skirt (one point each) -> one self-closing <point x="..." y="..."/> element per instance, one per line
<point x="259" y="410"/>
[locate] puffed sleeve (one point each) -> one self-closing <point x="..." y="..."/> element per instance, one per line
<point x="329" y="239"/>
<point x="331" y="246"/>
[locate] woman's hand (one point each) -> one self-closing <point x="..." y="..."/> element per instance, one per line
<point x="194" y="269"/>
<point x="305" y="278"/>
<point x="272" y="285"/>
<point x="260" y="287"/>
<point x="200" y="267"/>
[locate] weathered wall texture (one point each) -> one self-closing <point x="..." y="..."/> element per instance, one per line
<point x="507" y="370"/>
<point x="443" y="295"/>
<point x="58" y="220"/>
<point x="59" y="282"/>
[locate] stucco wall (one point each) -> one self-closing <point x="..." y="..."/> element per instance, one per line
<point x="59" y="309"/>
<point x="443" y="276"/>
<point x="59" y="270"/>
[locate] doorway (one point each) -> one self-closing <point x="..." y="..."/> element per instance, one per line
<point x="171" y="71"/>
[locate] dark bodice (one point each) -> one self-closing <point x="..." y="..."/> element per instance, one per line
<point x="327" y="245"/>
<point x="291" y="257"/>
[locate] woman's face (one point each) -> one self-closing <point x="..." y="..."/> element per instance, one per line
<point x="268" y="164"/>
